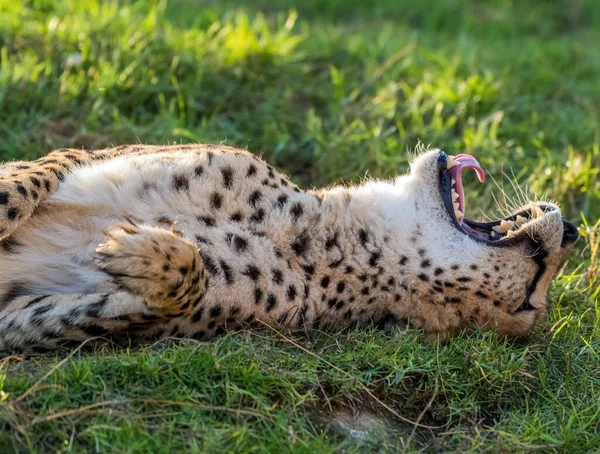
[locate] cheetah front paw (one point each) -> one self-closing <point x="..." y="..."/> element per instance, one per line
<point x="156" y="264"/>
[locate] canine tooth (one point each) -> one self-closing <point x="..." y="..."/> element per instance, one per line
<point x="506" y="225"/>
<point x="511" y="233"/>
<point x="521" y="220"/>
<point x="537" y="213"/>
<point x="498" y="229"/>
<point x="452" y="163"/>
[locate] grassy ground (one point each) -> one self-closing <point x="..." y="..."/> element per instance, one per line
<point x="327" y="90"/>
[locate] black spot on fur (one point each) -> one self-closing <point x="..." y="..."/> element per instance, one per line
<point x="331" y="241"/>
<point x="340" y="286"/>
<point x="271" y="303"/>
<point x="403" y="260"/>
<point x="258" y="215"/>
<point x="10" y="245"/>
<point x="258" y="294"/>
<point x="236" y="217"/>
<point x="240" y="244"/>
<point x="180" y="182"/>
<point x="197" y="316"/>
<point x="300" y="245"/>
<point x="207" y="220"/>
<point x="306" y="290"/>
<point x="251" y="171"/>
<point x="21" y="189"/>
<point x="325" y="282"/>
<point x="291" y="293"/>
<point x="198" y="170"/>
<point x="349" y="269"/>
<point x="252" y="272"/>
<point x="455" y="267"/>
<point x="94" y="310"/>
<point x="95" y="330"/>
<point x="426" y="263"/>
<point x="308" y="269"/>
<point x="227" y="173"/>
<point x="296" y="211"/>
<point x="473" y="267"/>
<point x="216" y="200"/>
<point x="496" y="303"/>
<point x="209" y="263"/>
<point x="363" y="237"/>
<point x="423" y="277"/>
<point x="464" y="279"/>
<point x="374" y="259"/>
<point x="438" y="271"/>
<point x="42" y="309"/>
<point x="201" y="239"/>
<point x="455" y="299"/>
<point x="72" y="158"/>
<point x="36" y="300"/>
<point x="3" y="198"/>
<point x="12" y="213"/>
<point x="480" y="294"/>
<point x="254" y="198"/>
<point x="227" y="273"/>
<point x="282" y="200"/>
<point x="277" y="276"/>
<point x="216" y="311"/>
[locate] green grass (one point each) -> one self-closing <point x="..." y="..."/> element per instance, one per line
<point x="326" y="90"/>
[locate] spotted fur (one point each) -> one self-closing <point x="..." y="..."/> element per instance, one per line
<point x="141" y="242"/>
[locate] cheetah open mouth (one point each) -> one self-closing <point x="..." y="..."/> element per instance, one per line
<point x="453" y="196"/>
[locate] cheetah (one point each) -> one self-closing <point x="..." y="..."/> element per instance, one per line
<point x="140" y="243"/>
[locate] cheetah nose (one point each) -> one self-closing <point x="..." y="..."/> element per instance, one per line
<point x="570" y="233"/>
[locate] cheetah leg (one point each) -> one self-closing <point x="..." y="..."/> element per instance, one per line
<point x="160" y="266"/>
<point x="24" y="185"/>
<point x="36" y="324"/>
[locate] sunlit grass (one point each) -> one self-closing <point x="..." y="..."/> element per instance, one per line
<point x="328" y="90"/>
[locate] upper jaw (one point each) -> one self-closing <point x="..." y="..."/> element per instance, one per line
<point x="502" y="232"/>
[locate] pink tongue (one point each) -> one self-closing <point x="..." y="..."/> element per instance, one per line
<point x="466" y="162"/>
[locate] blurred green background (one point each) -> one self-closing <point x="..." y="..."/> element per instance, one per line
<point x="328" y="91"/>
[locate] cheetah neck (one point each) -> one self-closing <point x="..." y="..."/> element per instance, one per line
<point x="366" y="257"/>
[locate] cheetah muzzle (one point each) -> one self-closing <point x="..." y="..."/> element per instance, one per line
<point x="138" y="243"/>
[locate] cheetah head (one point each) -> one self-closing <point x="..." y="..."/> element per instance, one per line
<point x="486" y="275"/>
